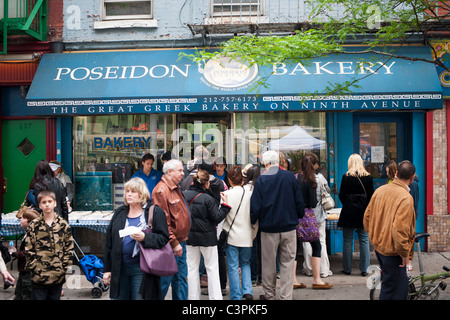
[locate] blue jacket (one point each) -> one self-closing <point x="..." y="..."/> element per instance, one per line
<point x="151" y="180"/>
<point x="414" y="191"/>
<point x="277" y="201"/>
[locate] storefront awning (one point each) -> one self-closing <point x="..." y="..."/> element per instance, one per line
<point x="158" y="81"/>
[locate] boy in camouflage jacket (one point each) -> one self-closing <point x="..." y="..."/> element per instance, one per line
<point x="49" y="250"/>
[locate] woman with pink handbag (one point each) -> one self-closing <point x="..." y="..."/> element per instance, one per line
<point x="121" y="259"/>
<point x="308" y="185"/>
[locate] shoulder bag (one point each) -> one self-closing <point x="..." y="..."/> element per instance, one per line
<point x="159" y="262"/>
<point x="194" y="198"/>
<point x="327" y="200"/>
<point x="223" y="237"/>
<point x="23" y="207"/>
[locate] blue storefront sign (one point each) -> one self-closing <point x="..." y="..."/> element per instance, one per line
<point x="159" y="81"/>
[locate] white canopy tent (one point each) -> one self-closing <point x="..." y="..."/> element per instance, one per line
<point x="297" y="139"/>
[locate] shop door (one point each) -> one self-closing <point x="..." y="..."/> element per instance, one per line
<point x="24" y="144"/>
<point x="207" y="130"/>
<point x="379" y="139"/>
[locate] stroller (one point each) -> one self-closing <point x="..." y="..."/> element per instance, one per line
<point x="92" y="267"/>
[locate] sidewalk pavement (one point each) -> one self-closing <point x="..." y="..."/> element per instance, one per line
<point x="346" y="287"/>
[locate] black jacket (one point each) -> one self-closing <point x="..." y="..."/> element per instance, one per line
<point x="112" y="257"/>
<point x="205" y="215"/>
<point x="308" y="192"/>
<point x="57" y="187"/>
<point x="351" y="215"/>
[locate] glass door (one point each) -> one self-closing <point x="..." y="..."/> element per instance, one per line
<point x="379" y="139"/>
<point x="208" y="130"/>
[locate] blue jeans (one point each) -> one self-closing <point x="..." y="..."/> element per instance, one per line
<point x="130" y="282"/>
<point x="239" y="257"/>
<point x="347" y="251"/>
<point x="178" y="280"/>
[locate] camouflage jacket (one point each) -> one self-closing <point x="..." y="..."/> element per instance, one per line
<point x="49" y="251"/>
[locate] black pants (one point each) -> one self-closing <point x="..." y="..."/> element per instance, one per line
<point x="394" y="285"/>
<point x="47" y="293"/>
<point x="222" y="267"/>
<point x="315" y="246"/>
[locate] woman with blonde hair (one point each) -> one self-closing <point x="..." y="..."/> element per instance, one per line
<point x="354" y="194"/>
<point x="121" y="257"/>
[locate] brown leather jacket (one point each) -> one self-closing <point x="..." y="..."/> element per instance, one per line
<point x="168" y="197"/>
<point x="390" y="220"/>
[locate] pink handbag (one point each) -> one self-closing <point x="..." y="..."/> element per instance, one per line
<point x="159" y="262"/>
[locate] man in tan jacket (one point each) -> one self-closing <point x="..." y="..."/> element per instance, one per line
<point x="167" y="195"/>
<point x="390" y="221"/>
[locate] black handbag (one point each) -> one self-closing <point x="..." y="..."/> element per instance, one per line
<point x="223" y="237"/>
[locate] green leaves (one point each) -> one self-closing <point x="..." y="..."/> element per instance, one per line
<point x="269" y="50"/>
<point x="380" y="22"/>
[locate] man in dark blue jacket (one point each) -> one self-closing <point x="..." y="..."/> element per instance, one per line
<point x="277" y="204"/>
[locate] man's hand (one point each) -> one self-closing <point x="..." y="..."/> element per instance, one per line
<point x="405" y="262"/>
<point x="107" y="278"/>
<point x="178" y="250"/>
<point x="7" y="277"/>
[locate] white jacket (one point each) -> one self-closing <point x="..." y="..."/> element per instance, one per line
<point x="240" y="234"/>
<point x="319" y="212"/>
<point x="2" y="264"/>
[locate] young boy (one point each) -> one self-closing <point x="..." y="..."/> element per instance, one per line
<point x="23" y="287"/>
<point x="49" y="250"/>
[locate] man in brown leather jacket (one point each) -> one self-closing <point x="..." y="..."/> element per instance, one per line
<point x="167" y="195"/>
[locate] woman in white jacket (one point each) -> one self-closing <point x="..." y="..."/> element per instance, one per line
<point x="240" y="238"/>
<point x="8" y="279"/>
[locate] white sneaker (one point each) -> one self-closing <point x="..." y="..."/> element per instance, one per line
<point x="307" y="272"/>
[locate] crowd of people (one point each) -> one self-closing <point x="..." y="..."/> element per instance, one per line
<point x="236" y="225"/>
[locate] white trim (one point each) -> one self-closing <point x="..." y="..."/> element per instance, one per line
<point x="113" y="24"/>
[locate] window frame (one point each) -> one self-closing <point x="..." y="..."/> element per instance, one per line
<point x="234" y="14"/>
<point x="105" y="17"/>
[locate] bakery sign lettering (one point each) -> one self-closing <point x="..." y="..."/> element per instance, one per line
<point x="119" y="143"/>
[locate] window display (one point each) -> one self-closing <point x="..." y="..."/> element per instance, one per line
<point x="108" y="151"/>
<point x="292" y="133"/>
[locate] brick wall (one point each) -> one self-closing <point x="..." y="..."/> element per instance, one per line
<point x="55" y="21"/>
<point x="438" y="223"/>
<point x="439" y="230"/>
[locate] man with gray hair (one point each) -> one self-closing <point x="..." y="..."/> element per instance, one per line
<point x="167" y="195"/>
<point x="277" y="204"/>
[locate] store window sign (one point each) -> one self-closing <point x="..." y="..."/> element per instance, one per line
<point x="119" y="143"/>
<point x="377" y="154"/>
